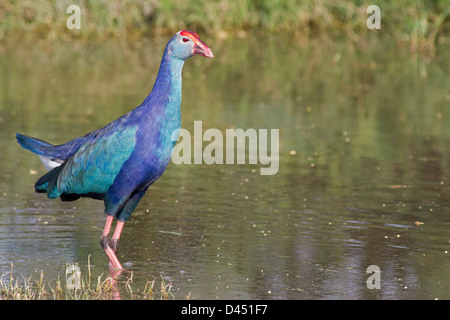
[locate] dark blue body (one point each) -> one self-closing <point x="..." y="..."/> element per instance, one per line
<point x="119" y="162"/>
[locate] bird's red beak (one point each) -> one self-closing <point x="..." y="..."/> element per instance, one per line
<point x="201" y="49"/>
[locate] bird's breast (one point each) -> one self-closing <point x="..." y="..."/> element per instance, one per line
<point x="155" y="144"/>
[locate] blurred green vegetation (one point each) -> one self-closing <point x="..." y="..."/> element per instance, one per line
<point x="418" y="24"/>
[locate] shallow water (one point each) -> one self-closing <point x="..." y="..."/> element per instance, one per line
<point x="362" y="180"/>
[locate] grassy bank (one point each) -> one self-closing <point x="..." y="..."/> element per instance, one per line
<point x="101" y="288"/>
<point x="417" y="23"/>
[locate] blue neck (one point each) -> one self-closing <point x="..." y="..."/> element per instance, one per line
<point x="160" y="112"/>
<point x="166" y="92"/>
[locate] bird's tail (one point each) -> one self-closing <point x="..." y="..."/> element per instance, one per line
<point x="46" y="151"/>
<point x="35" y="145"/>
<point x="48" y="154"/>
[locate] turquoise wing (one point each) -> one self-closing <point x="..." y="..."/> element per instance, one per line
<point x="93" y="168"/>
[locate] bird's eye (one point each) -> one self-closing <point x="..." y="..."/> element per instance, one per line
<point x="185" y="39"/>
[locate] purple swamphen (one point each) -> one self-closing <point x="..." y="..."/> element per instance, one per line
<point x="119" y="162"/>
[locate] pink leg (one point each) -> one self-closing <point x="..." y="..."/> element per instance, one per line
<point x="106" y="243"/>
<point x="118" y="231"/>
<point x="115" y="242"/>
<point x="109" y="220"/>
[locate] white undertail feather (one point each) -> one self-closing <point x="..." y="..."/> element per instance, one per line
<point x="50" y="163"/>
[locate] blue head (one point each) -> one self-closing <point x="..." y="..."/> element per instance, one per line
<point x="185" y="44"/>
<point x="167" y="88"/>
